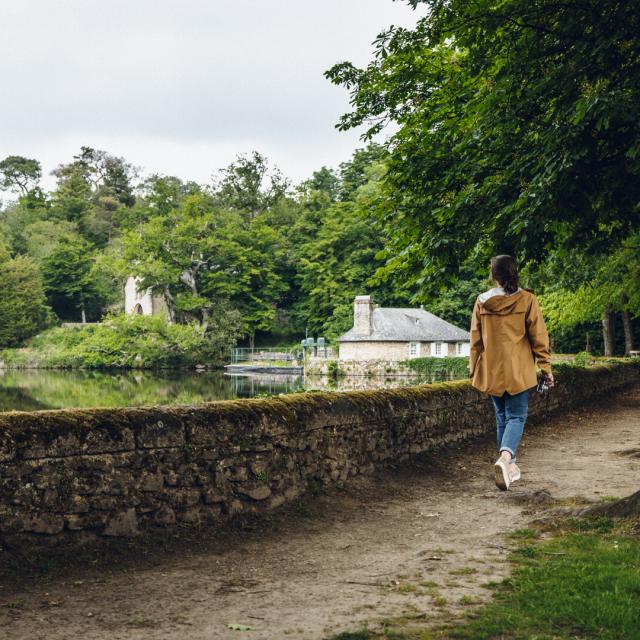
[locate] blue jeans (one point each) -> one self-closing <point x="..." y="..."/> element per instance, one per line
<point x="511" y="414"/>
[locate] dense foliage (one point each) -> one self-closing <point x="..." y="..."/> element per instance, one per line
<point x="23" y="311"/>
<point x="249" y="251"/>
<point x="517" y="130"/>
<point x="124" y="342"/>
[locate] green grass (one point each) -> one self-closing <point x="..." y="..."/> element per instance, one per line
<point x="583" y="583"/>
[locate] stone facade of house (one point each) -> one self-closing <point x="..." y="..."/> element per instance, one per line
<point x="399" y="334"/>
<point x="142" y="302"/>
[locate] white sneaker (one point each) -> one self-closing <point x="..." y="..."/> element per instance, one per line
<point x="515" y="473"/>
<point x="503" y="477"/>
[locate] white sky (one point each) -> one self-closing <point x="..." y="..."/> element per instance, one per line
<point x="183" y="86"/>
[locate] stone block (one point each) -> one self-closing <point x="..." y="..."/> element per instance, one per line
<point x="183" y="498"/>
<point x="78" y="522"/>
<point x="211" y="496"/>
<point x="151" y="481"/>
<point x="164" y="516"/>
<point x="276" y="501"/>
<point x="260" y="492"/>
<point x="237" y="474"/>
<point x="235" y="506"/>
<point x="8" y="449"/>
<point x="45" y="523"/>
<point x="122" y="525"/>
<point x="192" y="515"/>
<point x="165" y="431"/>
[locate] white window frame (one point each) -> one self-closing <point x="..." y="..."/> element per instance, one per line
<point x="437" y="349"/>
<point x="414" y="349"/>
<point x="458" y="348"/>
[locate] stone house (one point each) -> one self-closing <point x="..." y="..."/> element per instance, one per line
<point x="399" y="334"/>
<point x="142" y="302"/>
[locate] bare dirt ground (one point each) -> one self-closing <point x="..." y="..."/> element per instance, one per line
<point x="415" y="542"/>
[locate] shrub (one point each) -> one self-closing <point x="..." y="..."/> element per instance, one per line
<point x="582" y="359"/>
<point x="125" y="342"/>
<point x="333" y="369"/>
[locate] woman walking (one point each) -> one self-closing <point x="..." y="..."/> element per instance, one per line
<point x="508" y="338"/>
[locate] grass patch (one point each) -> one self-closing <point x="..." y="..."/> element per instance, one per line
<point x="582" y="583"/>
<point x="407" y="587"/>
<point x="463" y="571"/>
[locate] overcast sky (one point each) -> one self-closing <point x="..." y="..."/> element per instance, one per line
<point x="183" y="86"/>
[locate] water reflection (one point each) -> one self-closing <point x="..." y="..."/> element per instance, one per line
<point x="32" y="390"/>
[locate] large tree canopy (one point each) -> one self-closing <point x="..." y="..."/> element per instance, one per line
<point x="519" y="131"/>
<point x="19" y="174"/>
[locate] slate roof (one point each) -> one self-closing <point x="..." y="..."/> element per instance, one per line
<point x="408" y="325"/>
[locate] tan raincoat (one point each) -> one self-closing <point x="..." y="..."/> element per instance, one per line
<point x="508" y="337"/>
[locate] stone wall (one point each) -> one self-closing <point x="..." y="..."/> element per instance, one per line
<point x="77" y="475"/>
<point x="379" y="350"/>
<point x="369" y="368"/>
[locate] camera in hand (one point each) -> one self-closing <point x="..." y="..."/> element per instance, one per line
<point x="542" y="385"/>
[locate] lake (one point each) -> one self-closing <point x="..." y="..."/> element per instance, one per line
<point x="33" y="390"/>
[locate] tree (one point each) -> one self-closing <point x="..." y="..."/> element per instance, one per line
<point x="518" y="131"/>
<point x="20" y="174"/>
<point x="587" y="289"/>
<point x="250" y="185"/>
<point x="70" y="284"/>
<point x="204" y="259"/>
<point x="354" y="173"/>
<point x="23" y="311"/>
<point x="43" y="236"/>
<point x="72" y="198"/>
<point x="106" y="172"/>
<point x="338" y="261"/>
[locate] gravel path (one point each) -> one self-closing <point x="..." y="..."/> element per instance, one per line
<point x="417" y="541"/>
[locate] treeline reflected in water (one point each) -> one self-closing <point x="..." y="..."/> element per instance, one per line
<point x="32" y="390"/>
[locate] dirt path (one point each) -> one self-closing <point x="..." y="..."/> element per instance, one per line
<point x="413" y="542"/>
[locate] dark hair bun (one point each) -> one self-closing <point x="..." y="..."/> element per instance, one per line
<point x="505" y="271"/>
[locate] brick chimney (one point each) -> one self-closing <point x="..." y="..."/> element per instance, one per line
<point x="362" y="315"/>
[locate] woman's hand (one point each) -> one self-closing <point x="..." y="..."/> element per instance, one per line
<point x="549" y="380"/>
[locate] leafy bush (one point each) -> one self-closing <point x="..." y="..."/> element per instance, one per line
<point x="126" y="342"/>
<point x="583" y="358"/>
<point x="333" y="369"/>
<point x="22" y="305"/>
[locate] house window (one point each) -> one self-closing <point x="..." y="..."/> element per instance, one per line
<point x="438" y="348"/>
<point x="414" y="349"/>
<point x="459" y="348"/>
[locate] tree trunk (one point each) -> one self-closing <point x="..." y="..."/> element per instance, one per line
<point x="607" y="332"/>
<point x="83" y="314"/>
<point x="623" y="508"/>
<point x="171" y="305"/>
<point x="628" y="333"/>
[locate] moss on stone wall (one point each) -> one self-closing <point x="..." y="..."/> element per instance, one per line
<point x="77" y="473"/>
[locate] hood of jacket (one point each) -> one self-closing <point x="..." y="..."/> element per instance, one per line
<point x="497" y="302"/>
